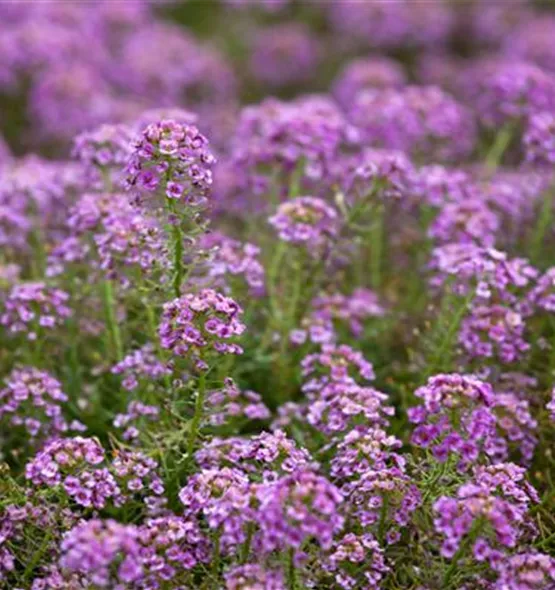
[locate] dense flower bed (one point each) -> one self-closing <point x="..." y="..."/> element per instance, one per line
<point x="277" y="295"/>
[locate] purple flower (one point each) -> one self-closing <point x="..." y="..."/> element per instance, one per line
<point x="420" y="120"/>
<point x="34" y="307"/>
<point x="284" y="54"/>
<point x="95" y="548"/>
<point x="174" y="157"/>
<point x="306" y="220"/>
<point x="185" y="327"/>
<point x="505" y="90"/>
<point x="362" y="74"/>
<point x="539" y="139"/>
<point x="526" y="571"/>
<point x="296" y="508"/>
<point x="357" y="561"/>
<point x="34" y="400"/>
<point x="253" y="577"/>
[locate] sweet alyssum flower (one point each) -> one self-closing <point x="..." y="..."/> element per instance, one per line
<point x="170" y="160"/>
<point x="330" y="313"/>
<point x="307" y="221"/>
<point x="335" y="364"/>
<point x="200" y="324"/>
<point x="266" y="454"/>
<point x="106" y="553"/>
<point x="498" y="496"/>
<point x="222" y="497"/>
<point x="421" y="120"/>
<point x="34" y="307"/>
<point x="140" y="366"/>
<point x="504" y="90"/>
<point x="526" y="571"/>
<point x="361" y="74"/>
<point x="284" y="54"/>
<point x="252" y="576"/>
<point x="105" y="149"/>
<point x="296" y="508"/>
<point x="357" y="560"/>
<point x="230" y="403"/>
<point x="230" y="258"/>
<point x="461" y="414"/>
<point x="539" y="139"/>
<point x="33" y="400"/>
<point x="135" y="413"/>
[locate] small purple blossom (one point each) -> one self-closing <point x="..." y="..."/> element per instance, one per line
<point x="306" y="221"/>
<point x="199" y="324"/>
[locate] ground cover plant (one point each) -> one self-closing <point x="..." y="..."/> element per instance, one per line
<point x="277" y="295"/>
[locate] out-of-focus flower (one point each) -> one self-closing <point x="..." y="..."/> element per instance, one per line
<point x="284" y="54"/>
<point x="367" y="73"/>
<point x="539" y="139"/>
<point x="420" y="120"/>
<point x="105" y="552"/>
<point x="34" y="400"/>
<point x="503" y="90"/>
<point x="306" y="220"/>
<point x="34" y="307"/>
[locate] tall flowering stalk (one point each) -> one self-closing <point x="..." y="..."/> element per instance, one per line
<point x="170" y="169"/>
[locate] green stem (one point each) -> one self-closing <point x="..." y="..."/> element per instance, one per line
<point x="383" y="517"/>
<point x="38" y="260"/>
<point x="291" y="574"/>
<point x="499" y="147"/>
<point x="463" y="548"/>
<point x="199" y="408"/>
<point x="74" y="364"/>
<point x="544" y="221"/>
<point x="111" y="320"/>
<point x="177" y="258"/>
<point x="296" y="177"/>
<point x="245" y="549"/>
<point x="152" y="326"/>
<point x="216" y="562"/>
<point x="444" y="350"/>
<point x="376" y="248"/>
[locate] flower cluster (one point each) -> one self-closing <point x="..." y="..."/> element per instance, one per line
<point x="74" y="464"/>
<point x="105" y="552"/>
<point x="505" y="91"/>
<point x="499" y="497"/>
<point x="230" y="258"/>
<point x="361" y="553"/>
<point x="333" y="364"/>
<point x="31" y="308"/>
<point x="198" y="324"/>
<point x="365" y="74"/>
<point x="461" y="414"/>
<point x="33" y="400"/>
<point x="307" y="221"/>
<point x="140" y="365"/>
<point x="275" y="452"/>
<point x="539" y="139"/>
<point x="254" y="577"/>
<point x="112" y="237"/>
<point x="106" y="148"/>
<point x="526" y="571"/>
<point x="331" y="313"/>
<point x="297" y="508"/>
<point x="422" y="121"/>
<point x="230" y="403"/>
<point x="173" y="160"/>
<point x="134" y="412"/>
<point x="284" y="54"/>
